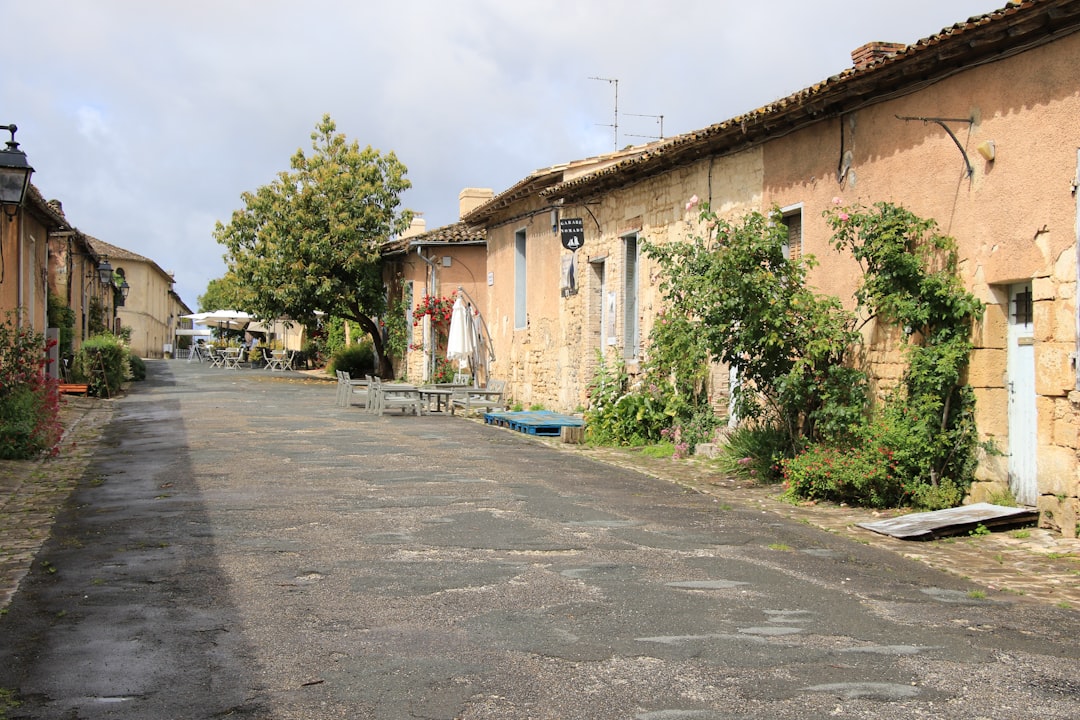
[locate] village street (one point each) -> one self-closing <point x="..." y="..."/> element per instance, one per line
<point x="240" y="546"/>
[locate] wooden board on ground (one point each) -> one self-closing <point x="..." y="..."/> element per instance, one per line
<point x="952" y="521"/>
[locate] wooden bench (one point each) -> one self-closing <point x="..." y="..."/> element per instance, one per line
<point x="73" y="389"/>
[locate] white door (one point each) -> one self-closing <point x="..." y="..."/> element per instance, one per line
<point x="1023" y="428"/>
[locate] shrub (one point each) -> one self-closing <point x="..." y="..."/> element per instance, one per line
<point x="619" y="414"/>
<point x="102" y="363"/>
<point x="138" y="367"/>
<point x="357" y="359"/>
<point x="861" y="475"/>
<point x="29" y="402"/>
<point x="755" y="452"/>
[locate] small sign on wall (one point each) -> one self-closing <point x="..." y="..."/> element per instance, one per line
<point x="491" y="278"/>
<point x="573" y="233"/>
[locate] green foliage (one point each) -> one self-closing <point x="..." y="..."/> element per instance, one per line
<point x="661" y="450"/>
<point x="396" y="326"/>
<point x="746" y="305"/>
<point x="619" y="414"/>
<point x="859" y="475"/>
<point x="138" y="367"/>
<point x="669" y="403"/>
<point x="8" y="701"/>
<point x="755" y="452"/>
<point x="920" y="447"/>
<point x="1003" y="497"/>
<point x="29" y="401"/>
<point x="62" y="317"/>
<point x="732" y="296"/>
<point x="96" y="321"/>
<point x="102" y="363"/>
<point x="226" y="293"/>
<point x="357" y="359"/>
<point x="311" y="240"/>
<point x="911" y="281"/>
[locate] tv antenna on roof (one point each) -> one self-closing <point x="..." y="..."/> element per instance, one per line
<point x="659" y="119"/>
<point x="615" y="125"/>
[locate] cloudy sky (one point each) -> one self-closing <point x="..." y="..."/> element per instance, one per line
<point x="147" y="119"/>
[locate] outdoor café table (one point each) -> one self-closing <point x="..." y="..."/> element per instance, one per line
<point x="277" y="360"/>
<point x="435" y="397"/>
<point x="232" y="358"/>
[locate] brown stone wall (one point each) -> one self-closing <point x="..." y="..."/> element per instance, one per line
<point x="1014" y="220"/>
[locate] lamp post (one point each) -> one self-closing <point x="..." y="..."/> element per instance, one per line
<point x="104" y="275"/>
<point x="14" y="175"/>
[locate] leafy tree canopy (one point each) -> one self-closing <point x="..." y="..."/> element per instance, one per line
<point x="226" y="293"/>
<point x="310" y="240"/>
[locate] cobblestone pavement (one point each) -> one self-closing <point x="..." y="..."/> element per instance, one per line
<point x="1032" y="563"/>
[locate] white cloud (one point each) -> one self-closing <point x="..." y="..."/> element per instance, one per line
<point x="147" y="120"/>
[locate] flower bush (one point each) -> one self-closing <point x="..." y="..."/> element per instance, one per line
<point x="29" y="401"/>
<point x="102" y="363"/>
<point x="734" y="297"/>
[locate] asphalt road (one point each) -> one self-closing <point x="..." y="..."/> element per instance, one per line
<point x="243" y="548"/>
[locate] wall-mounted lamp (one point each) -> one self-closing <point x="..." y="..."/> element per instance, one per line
<point x="987" y="150"/>
<point x="14" y="174"/>
<point x="124" y="289"/>
<point x="104" y="271"/>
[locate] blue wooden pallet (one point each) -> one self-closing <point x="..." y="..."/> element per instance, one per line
<point x="533" y="422"/>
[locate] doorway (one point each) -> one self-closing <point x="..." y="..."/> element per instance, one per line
<point x="1020" y="371"/>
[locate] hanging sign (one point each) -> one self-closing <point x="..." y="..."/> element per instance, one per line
<point x="573" y="233"/>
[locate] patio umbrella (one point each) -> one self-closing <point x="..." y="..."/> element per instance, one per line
<point x="461" y="340"/>
<point x="227" y="319"/>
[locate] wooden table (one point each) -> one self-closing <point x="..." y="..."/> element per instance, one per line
<point x="432" y="395"/>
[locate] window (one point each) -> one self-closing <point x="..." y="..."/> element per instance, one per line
<point x="631" y="323"/>
<point x="792" y="218"/>
<point x="598" y="322"/>
<point x="521" y="317"/>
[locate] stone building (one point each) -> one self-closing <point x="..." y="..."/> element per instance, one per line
<point x="152" y="309"/>
<point x="436" y="263"/>
<point x="975" y="127"/>
<point x="24" y="258"/>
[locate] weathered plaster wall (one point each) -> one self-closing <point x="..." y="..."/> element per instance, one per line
<point x="1014" y="219"/>
<point x="551" y="362"/>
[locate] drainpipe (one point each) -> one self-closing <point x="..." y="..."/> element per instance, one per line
<point x="429" y="359"/>
<point x="1076" y="220"/>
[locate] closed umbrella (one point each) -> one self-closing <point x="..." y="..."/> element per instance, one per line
<point x="461" y="341"/>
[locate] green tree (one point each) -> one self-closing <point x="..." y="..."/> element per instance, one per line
<point x="311" y="240"/>
<point x="752" y="311"/>
<point x="226" y="292"/>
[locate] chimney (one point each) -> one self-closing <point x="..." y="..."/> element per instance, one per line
<point x="471" y="198"/>
<point x="873" y="52"/>
<point x="418" y="226"/>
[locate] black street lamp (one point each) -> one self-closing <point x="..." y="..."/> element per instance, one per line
<point x="14" y="174"/>
<point x="104" y="271"/>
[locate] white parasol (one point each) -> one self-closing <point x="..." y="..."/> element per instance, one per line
<point x="227" y="319"/>
<point x="461" y="342"/>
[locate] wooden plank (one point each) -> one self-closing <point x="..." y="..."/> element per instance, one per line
<point x="952" y="521"/>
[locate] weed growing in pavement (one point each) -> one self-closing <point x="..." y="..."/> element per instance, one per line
<point x="780" y="546"/>
<point x="979" y="530"/>
<point x="8" y="701"/>
<point x="1020" y="534"/>
<point x="659" y="450"/>
<point x="977" y="595"/>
